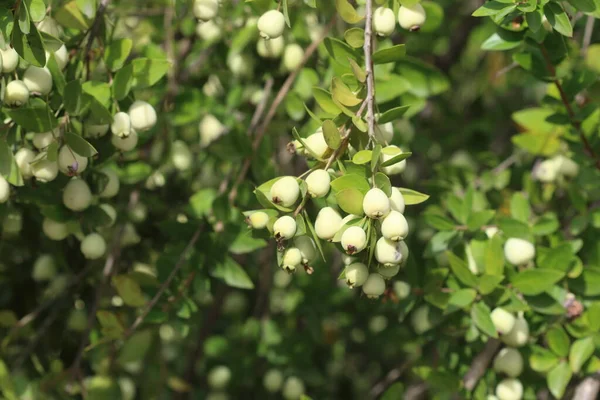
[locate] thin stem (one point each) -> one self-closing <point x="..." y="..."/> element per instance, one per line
<point x="587" y="35"/>
<point x="368" y="49"/>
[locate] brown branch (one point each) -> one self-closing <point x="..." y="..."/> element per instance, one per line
<point x="285" y="88"/>
<point x="390" y="378"/>
<point x="368" y="50"/>
<point x="588" y="388"/>
<point x="480" y="364"/>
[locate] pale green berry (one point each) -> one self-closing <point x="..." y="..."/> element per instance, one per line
<point x="210" y="130"/>
<point x="402" y="289"/>
<point x="307" y="247"/>
<point x="95" y="131"/>
<point x="142" y="115"/>
<point x="412" y="18"/>
<point x="397" y="200"/>
<point x="70" y="162"/>
<point x="385" y="132"/>
<point x="388" y="252"/>
<point x="12" y="224"/>
<point x="10" y="60"/>
<point x="327" y="224"/>
<point x="16" y="93"/>
<point x="389" y="153"/>
<point x="509" y="389"/>
<point x="374" y="286"/>
<point x="292" y="56"/>
<point x="317" y="144"/>
<point x="121" y="125"/>
<point x="518" y="251"/>
<point x="44" y="268"/>
<point x="546" y="171"/>
<point x="43" y="140"/>
<point x="55" y="230"/>
<point x="509" y="361"/>
<point x="293" y="388"/>
<point x="61" y="56"/>
<point x="271" y="24"/>
<point x="420" y="319"/>
<point x="219" y="377"/>
<point x="285" y="191"/>
<point x="4" y="190"/>
<point x="389" y="272"/>
<point x="318" y="183"/>
<point x="93" y="246"/>
<point x="394" y="226"/>
<point x="50" y="26"/>
<point x="376" y="204"/>
<point x="38" y="80"/>
<point x="112" y="185"/>
<point x="24" y="158"/>
<point x="273" y="380"/>
<point x="208" y="31"/>
<point x="205" y="10"/>
<point x="77" y="195"/>
<point x="138" y="213"/>
<point x="181" y="156"/>
<point x="356" y="274"/>
<point x="503" y="320"/>
<point x="110" y="211"/>
<point x="518" y="335"/>
<point x="270" y="48"/>
<point x="566" y="166"/>
<point x="258" y="220"/>
<point x="292" y="258"/>
<point x="284" y="227"/>
<point x="45" y="170"/>
<point x="384" y="21"/>
<point x="125" y="143"/>
<point x="354" y="240"/>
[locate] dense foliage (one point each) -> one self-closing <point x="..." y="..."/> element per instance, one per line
<point x="188" y="188"/>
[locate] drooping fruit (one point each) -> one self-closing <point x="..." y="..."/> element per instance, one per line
<point x="273" y="380"/>
<point x="45" y="170"/>
<point x="519" y="251"/>
<point x="206" y="10"/>
<point x="394" y="226"/>
<point x="125" y="143"/>
<point x="509" y="361"/>
<point x="503" y="320"/>
<point x="293" y="388"/>
<point x="55" y="230"/>
<point x="38" y="80"/>
<point x="389" y="153"/>
<point x="121" y="125"/>
<point x="374" y="286"/>
<point x="270" y="48"/>
<point x="327" y="224"/>
<point x="112" y="185"/>
<point x="354" y="240"/>
<point x="219" y="377"/>
<point x="356" y="274"/>
<point x="142" y="115"/>
<point x="77" y="195"/>
<point x="271" y="24"/>
<point x="518" y="335"/>
<point x="284" y="227"/>
<point x="292" y="56"/>
<point x="397" y="201"/>
<point x="384" y="21"/>
<point x="412" y="18"/>
<point x="93" y="246"/>
<point x="4" y="190"/>
<point x="292" y="258"/>
<point x="24" y="158"/>
<point x="70" y="163"/>
<point x="318" y="183"/>
<point x="376" y="204"/>
<point x="389" y="253"/>
<point x="307" y="247"/>
<point x="509" y="389"/>
<point x="10" y="60"/>
<point x="17" y="93"/>
<point x="258" y="220"/>
<point x="285" y="191"/>
<point x="44" y="268"/>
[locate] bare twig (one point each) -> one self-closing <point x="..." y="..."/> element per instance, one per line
<point x="506" y="164"/>
<point x="368" y="49"/>
<point x="93" y="32"/>
<point x="390" y="378"/>
<point x="266" y="94"/>
<point x="285" y="88"/>
<point x="588" y="388"/>
<point x="480" y="364"/>
<point x="587" y="35"/>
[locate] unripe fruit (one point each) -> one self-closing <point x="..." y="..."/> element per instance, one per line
<point x="285" y="191"/>
<point x="327" y="224"/>
<point x="206" y="10"/>
<point x="43" y="140"/>
<point x="217" y="396"/>
<point x="318" y="183"/>
<point x="38" y="80"/>
<point x="70" y="163"/>
<point x="125" y="143"/>
<point x="210" y="130"/>
<point x="546" y="171"/>
<point x="307" y="247"/>
<point x="293" y="388"/>
<point x="138" y="213"/>
<point x="240" y="64"/>
<point x="389" y="153"/>
<point x="397" y="201"/>
<point x="385" y="132"/>
<point x="389" y="253"/>
<point x="354" y="240"/>
<point x="112" y="185"/>
<point x="110" y="211"/>
<point x="258" y="220"/>
<point x="24" y="157"/>
<point x="10" y="60"/>
<point x="93" y="246"/>
<point x="219" y="377"/>
<point x="374" y="286"/>
<point x="55" y="230"/>
<point x="12" y="224"/>
<point x="208" y="31"/>
<point x="121" y="125"/>
<point x="270" y="48"/>
<point x="4" y="190"/>
<point x="503" y="320"/>
<point x="317" y="144"/>
<point x="356" y="274"/>
<point x="142" y="116"/>
<point x="376" y="204"/>
<point x="130" y="236"/>
<point x="271" y="24"/>
<point x="61" y="56"/>
<point x="566" y="166"/>
<point x="402" y="289"/>
<point x="509" y="389"/>
<point x="50" y="26"/>
<point x="45" y="170"/>
<point x="518" y="251"/>
<point x="77" y="195"/>
<point x="420" y="319"/>
<point x="17" y="94"/>
<point x="291" y="259"/>
<point x="384" y="21"/>
<point x="44" y="268"/>
<point x="411" y="18"/>
<point x="284" y="227"/>
<point x="181" y="156"/>
<point x="518" y="335"/>
<point x="509" y="361"/>
<point x="95" y="131"/>
<point x="292" y="56"/>
<point x="389" y="272"/>
<point x="394" y="226"/>
<point x="273" y="380"/>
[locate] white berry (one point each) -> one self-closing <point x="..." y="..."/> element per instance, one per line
<point x="518" y="251"/>
<point x="210" y="130"/>
<point x="394" y="226"/>
<point x="285" y="191"/>
<point x="509" y="361"/>
<point x="292" y="56"/>
<point x="284" y="227"/>
<point x="356" y="274"/>
<point x="390" y="253"/>
<point x="208" y="31"/>
<point x="271" y="24"/>
<point x="518" y="335"/>
<point x="389" y="272"/>
<point x="43" y="140"/>
<point x="387" y="154"/>
<point x="566" y="166"/>
<point x="307" y="247"/>
<point x="17" y="93"/>
<point x="291" y="259"/>
<point x="374" y="286"/>
<point x="61" y="56"/>
<point x="318" y="183"/>
<point x="384" y="21"/>
<point x="317" y="144"/>
<point x="93" y="246"/>
<point x="45" y="170"/>
<point x="10" y="60"/>
<point x="4" y="190"/>
<point x="121" y="125"/>
<point x="125" y="143"/>
<point x="420" y="319"/>
<point x="12" y="224"/>
<point x="273" y="379"/>
<point x="376" y="204"/>
<point x="55" y="230"/>
<point x="95" y="131"/>
<point x="503" y="320"/>
<point x="385" y="132"/>
<point x="142" y="116"/>
<point x="77" y="195"/>
<point x="509" y="389"/>
<point x="219" y="377"/>
<point x="327" y="224"/>
<point x="270" y="48"/>
<point x="112" y="185"/>
<point x="38" y="80"/>
<point x="293" y="388"/>
<point x="24" y="157"/>
<point x="258" y="220"/>
<point x="546" y="171"/>
<point x="44" y="268"/>
<point x="397" y="201"/>
<point x="354" y="240"/>
<point x="206" y="10"/>
<point x="181" y="156"/>
<point x="411" y="18"/>
<point x="70" y="162"/>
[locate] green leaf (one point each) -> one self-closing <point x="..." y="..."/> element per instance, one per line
<point x="392" y="114"/>
<point x="341" y="51"/>
<point x="542" y="360"/>
<point x="491" y="8"/>
<point x="558" y="19"/>
<point x="513" y="228"/>
<point x="354" y="181"/>
<point x="37" y="10"/>
<point x="129" y="290"/>
<point x="479" y="219"/>
<point x="362" y="157"/>
<point x="323" y="98"/>
<point x="146" y="71"/>
<point x="480" y="313"/>
<point x="30" y="46"/>
<point x="558" y="379"/>
<point x="123" y="82"/>
<point x="6" y="384"/>
<point x="34" y="119"/>
<point x="233" y="274"/>
<point x="79" y="145"/>
<point x="494" y="256"/>
<point x="358" y="72"/>
<point x="536" y="281"/>
<point x="341" y="93"/>
<point x="396" y="159"/>
<point x="112" y="326"/>
<point x="461" y="299"/>
<point x="70" y="16"/>
<point x="389" y="55"/>
<point x="24" y="21"/>
<point x="558" y="341"/>
<point x="438" y="221"/>
<point x="501" y="41"/>
<point x="461" y="270"/>
<point x="580" y="352"/>
<point x="355" y="37"/>
<point x="519" y="207"/>
<point x="347" y="12"/>
<point x="382" y="182"/>
<point x="375" y="157"/>
<point x="116" y="54"/>
<point x="72" y="97"/>
<point x="350" y="200"/>
<point x="331" y="134"/>
<point x="412" y="197"/>
<point x="286" y="14"/>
